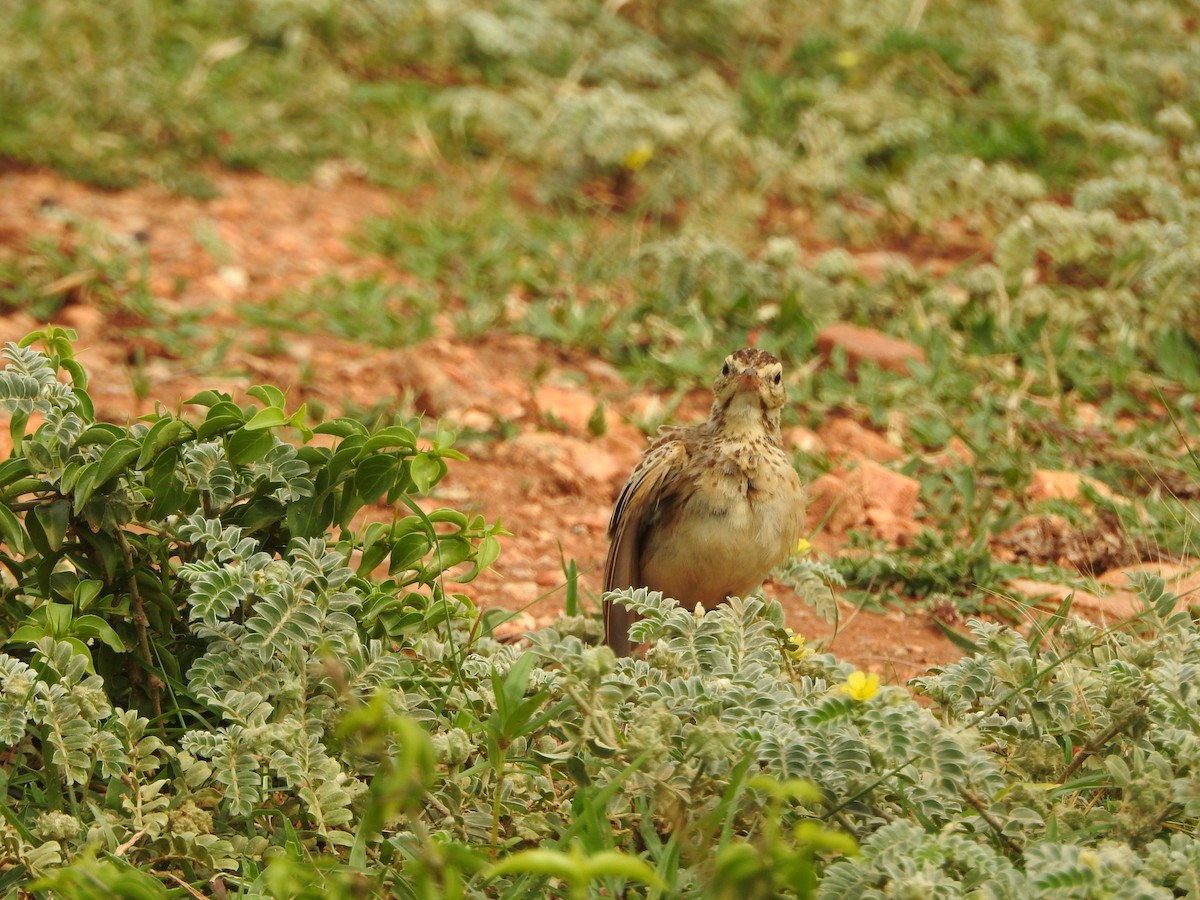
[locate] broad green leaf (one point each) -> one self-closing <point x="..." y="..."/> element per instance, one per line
<point x="341" y="427"/>
<point x="267" y="393"/>
<point x="206" y="398"/>
<point x="247" y="446"/>
<point x="88" y="627"/>
<point x="454" y="516"/>
<point x="168" y="491"/>
<point x="100" y="433"/>
<point x="86" y="411"/>
<point x="79" y="378"/>
<point x="394" y="436"/>
<point x="271" y="417"/>
<point x="426" y="470"/>
<point x="11" y="531"/>
<point x="116" y="459"/>
<point x="452" y="549"/>
<point x="221" y="417"/>
<point x="58" y="618"/>
<point x="53" y="519"/>
<point x="487" y="552"/>
<point x="162" y="433"/>
<point x="261" y="513"/>
<point x="28" y="634"/>
<point x="103" y="548"/>
<point x="86" y="592"/>
<point x="12" y="470"/>
<point x="408" y="552"/>
<point x="376" y="475"/>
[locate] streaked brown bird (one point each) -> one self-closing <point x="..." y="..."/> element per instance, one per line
<point x="710" y="508"/>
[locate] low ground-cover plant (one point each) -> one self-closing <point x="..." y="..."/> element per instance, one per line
<point x="205" y="682"/>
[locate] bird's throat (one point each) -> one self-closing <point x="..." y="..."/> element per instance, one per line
<point x="744" y="419"/>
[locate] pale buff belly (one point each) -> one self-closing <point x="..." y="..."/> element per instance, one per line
<point x="719" y="545"/>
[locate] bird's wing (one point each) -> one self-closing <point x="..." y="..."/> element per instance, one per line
<point x="651" y="481"/>
<point x="647" y="486"/>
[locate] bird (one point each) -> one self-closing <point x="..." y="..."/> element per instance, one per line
<point x="710" y="508"/>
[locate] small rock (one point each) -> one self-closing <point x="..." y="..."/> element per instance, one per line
<point x="847" y="437"/>
<point x="437" y="393"/>
<point x="958" y="448"/>
<point x="477" y="420"/>
<point x="566" y="463"/>
<point x="1052" y="484"/>
<point x="867" y="344"/>
<point x="832" y="506"/>
<point x="805" y="440"/>
<point x="1101" y="609"/>
<point x="1088" y="415"/>
<point x="1180" y="579"/>
<point x="236" y="277"/>
<point x="569" y="406"/>
<point x="601" y="371"/>
<point x="868" y="495"/>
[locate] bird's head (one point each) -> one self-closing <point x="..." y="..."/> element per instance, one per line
<point x="751" y="382"/>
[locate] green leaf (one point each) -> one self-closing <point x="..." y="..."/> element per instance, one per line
<point x="86" y="592"/>
<point x="408" y="552"/>
<point x="267" y="393"/>
<point x="58" y="618"/>
<point x="168" y="492"/>
<point x="206" y="398"/>
<point x="452" y="549"/>
<point x="221" y="417"/>
<point x="13" y="469"/>
<point x="105" y="549"/>
<point x="86" y="411"/>
<point x="453" y="516"/>
<point x="487" y="552"/>
<point x="247" y="446"/>
<point x="116" y="459"/>
<point x="70" y="476"/>
<point x="54" y="518"/>
<point x="376" y="475"/>
<point x="394" y="436"/>
<point x="88" y="627"/>
<point x="28" y="634"/>
<point x="11" y="532"/>
<point x="79" y="378"/>
<point x="100" y="433"/>
<point x="341" y="427"/>
<point x="260" y="514"/>
<point x="271" y="417"/>
<point x="161" y="434"/>
<point x="426" y="470"/>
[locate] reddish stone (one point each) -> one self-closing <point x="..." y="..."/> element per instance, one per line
<point x="845" y="436"/>
<point x="867" y="496"/>
<point x="567" y="406"/>
<point x="869" y="345"/>
<point x="1051" y="484"/>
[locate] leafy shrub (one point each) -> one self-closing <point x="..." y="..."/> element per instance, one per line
<point x="196" y="675"/>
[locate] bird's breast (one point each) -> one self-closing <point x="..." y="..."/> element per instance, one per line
<point x="741" y="517"/>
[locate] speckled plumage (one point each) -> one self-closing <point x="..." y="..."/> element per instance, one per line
<point x="710" y="508"/>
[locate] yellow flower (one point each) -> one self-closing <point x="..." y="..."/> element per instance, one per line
<point x="638" y="157"/>
<point x="847" y="59"/>
<point x="795" y="646"/>
<point x="861" y="686"/>
<point x="802" y="547"/>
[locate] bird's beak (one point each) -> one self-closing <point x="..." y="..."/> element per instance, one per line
<point x="749" y="379"/>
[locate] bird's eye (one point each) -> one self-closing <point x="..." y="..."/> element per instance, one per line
<point x="778" y="377"/>
<point x="725" y="369"/>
